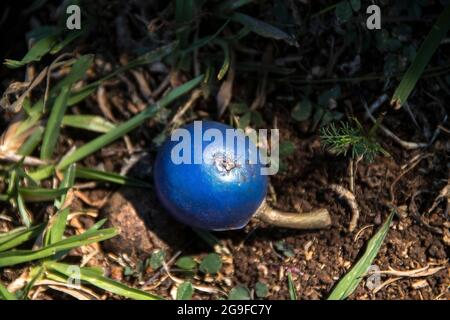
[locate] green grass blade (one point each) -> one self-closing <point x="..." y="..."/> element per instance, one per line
<point x="184" y="13"/>
<point x="56" y="227"/>
<point x="5" y="294"/>
<point x="32" y="142"/>
<point x="232" y="5"/>
<point x="51" y="133"/>
<point x="36" y="194"/>
<point x="205" y="40"/>
<point x="67" y="183"/>
<point x="18" y="236"/>
<point x="36" y="273"/>
<point x="42" y="172"/>
<point x="77" y="73"/>
<point x="14" y="257"/>
<point x="129" y="125"/>
<point x="291" y="286"/>
<point x="37" y="51"/>
<point x="23" y="212"/>
<point x="88" y="122"/>
<point x="71" y="36"/>
<point x="78" y="96"/>
<point x="92" y="174"/>
<point x="262" y="28"/>
<point x="351" y="280"/>
<point x="227" y="58"/>
<point x="102" y="282"/>
<point x="426" y="51"/>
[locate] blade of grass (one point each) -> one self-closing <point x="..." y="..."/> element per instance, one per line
<point x="426" y="51"/>
<point x="23" y="212"/>
<point x="204" y="41"/>
<point x="291" y="285"/>
<point x="66" y="183"/>
<point x="14" y="257"/>
<point x="77" y="73"/>
<point x="262" y="28"/>
<point x="184" y="12"/>
<point x="129" y="125"/>
<point x="36" y="273"/>
<point x="88" y="122"/>
<point x="33" y="194"/>
<point x="32" y="142"/>
<point x="53" y="127"/>
<point x="232" y="5"/>
<point x="227" y="58"/>
<point x="56" y="227"/>
<point x="72" y="35"/>
<point x="92" y="174"/>
<point x="36" y="52"/>
<point x="5" y="294"/>
<point x="42" y="172"/>
<point x="351" y="280"/>
<point x="51" y="133"/>
<point x="102" y="282"/>
<point x="18" y="236"/>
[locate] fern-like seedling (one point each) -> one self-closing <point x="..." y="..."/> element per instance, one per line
<point x="344" y="137"/>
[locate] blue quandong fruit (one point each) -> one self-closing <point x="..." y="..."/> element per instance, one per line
<point x="206" y="179"/>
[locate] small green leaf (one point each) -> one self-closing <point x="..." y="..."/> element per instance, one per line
<point x="286" y="148"/>
<point x="239" y="293"/>
<point x="239" y="108"/>
<point x="211" y="264"/>
<point x="185" y="291"/>
<point x="261" y="289"/>
<point x="356" y="5"/>
<point x="343" y="11"/>
<point x="157" y="259"/>
<point x="284" y="248"/>
<point x="302" y="110"/>
<point x="186" y="263"/>
<point x="244" y="121"/>
<point x="333" y="93"/>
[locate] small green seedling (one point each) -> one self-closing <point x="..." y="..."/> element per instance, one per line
<point x="345" y="137"/>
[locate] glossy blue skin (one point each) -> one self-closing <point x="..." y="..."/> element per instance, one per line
<point x="206" y="195"/>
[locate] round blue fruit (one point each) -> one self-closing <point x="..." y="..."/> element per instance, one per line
<point x="207" y="177"/>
